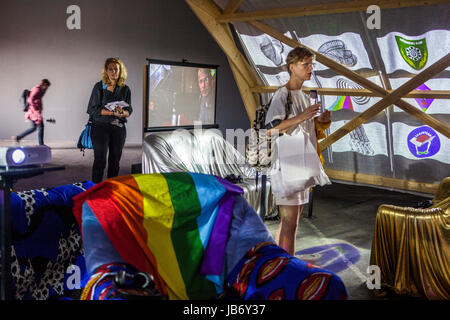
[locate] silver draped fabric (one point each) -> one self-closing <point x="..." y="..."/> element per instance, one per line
<point x="203" y="151"/>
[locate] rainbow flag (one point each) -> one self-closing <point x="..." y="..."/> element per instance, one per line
<point x="171" y="225"/>
<point x="343" y="102"/>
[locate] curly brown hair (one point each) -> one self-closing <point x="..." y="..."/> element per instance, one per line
<point x="297" y="54"/>
<point x="122" y="75"/>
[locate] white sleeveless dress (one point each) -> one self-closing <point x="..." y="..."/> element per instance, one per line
<point x="300" y="102"/>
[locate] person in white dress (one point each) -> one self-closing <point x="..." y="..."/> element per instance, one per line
<point x="301" y="120"/>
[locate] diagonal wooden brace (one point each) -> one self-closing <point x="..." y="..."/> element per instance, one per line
<point x="319" y="9"/>
<point x="207" y="12"/>
<point x="379" y="91"/>
<point x="393" y="98"/>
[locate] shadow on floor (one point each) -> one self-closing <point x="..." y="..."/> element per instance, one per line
<point x="338" y="236"/>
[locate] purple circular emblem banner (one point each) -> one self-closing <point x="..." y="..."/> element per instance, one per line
<point x="423" y="142"/>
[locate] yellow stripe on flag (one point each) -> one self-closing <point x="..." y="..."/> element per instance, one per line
<point x="158" y="220"/>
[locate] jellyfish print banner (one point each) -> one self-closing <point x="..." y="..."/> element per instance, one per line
<point x="347" y="49"/>
<point x="269" y="54"/>
<point x="278" y="79"/>
<point x="368" y="139"/>
<point x="265" y="50"/>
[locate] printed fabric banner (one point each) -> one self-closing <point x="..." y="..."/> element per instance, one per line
<point x="430" y="106"/>
<point x="265" y="50"/>
<point x="334" y="103"/>
<point x="418" y="143"/>
<point x="368" y="139"/>
<point x="401" y="49"/>
<point x="413" y="53"/>
<point x="347" y="49"/>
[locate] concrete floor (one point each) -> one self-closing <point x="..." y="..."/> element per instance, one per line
<point x="338" y="237"/>
<point x="77" y="167"/>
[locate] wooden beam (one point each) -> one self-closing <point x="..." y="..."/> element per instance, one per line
<point x="431" y="94"/>
<point x="232" y="6"/>
<point x="246" y="94"/>
<point x="388" y="113"/>
<point x="391" y="98"/>
<point x="399" y="184"/>
<point x="353" y="76"/>
<point x="330" y="63"/>
<point x="427" y="119"/>
<point x="207" y="11"/>
<point x="322" y="9"/>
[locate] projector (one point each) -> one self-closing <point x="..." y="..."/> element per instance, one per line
<point x="24" y="156"/>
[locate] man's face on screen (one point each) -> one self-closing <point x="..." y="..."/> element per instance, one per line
<point x="203" y="83"/>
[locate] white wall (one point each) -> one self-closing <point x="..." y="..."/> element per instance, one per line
<point x="35" y="43"/>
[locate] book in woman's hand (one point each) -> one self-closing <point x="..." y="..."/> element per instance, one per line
<point x="111" y="106"/>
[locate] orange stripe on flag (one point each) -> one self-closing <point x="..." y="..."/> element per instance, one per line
<point x="127" y="196"/>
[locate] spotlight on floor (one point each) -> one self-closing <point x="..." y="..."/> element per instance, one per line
<point x="24" y="156"/>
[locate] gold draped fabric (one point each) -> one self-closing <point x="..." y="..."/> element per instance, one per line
<point x="411" y="247"/>
<point x="443" y="191"/>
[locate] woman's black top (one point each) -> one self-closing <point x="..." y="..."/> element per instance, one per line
<point x="101" y="96"/>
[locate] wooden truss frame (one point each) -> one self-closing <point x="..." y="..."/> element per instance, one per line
<point x="216" y="22"/>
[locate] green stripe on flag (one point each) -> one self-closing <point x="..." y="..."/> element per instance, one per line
<point x="185" y="235"/>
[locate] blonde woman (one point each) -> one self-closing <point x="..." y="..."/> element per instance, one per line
<point x="108" y="127"/>
<point x="300" y="121"/>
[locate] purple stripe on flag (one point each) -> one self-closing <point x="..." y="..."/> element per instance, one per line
<point x="229" y="186"/>
<point x="213" y="260"/>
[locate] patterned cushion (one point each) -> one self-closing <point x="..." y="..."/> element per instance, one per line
<point x="47" y="259"/>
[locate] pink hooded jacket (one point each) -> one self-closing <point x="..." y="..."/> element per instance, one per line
<point x="34" y="112"/>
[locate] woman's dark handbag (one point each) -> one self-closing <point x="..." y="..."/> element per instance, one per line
<point x="85" y="141"/>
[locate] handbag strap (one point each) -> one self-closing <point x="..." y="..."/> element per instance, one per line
<point x="91" y="120"/>
<point x="288" y="106"/>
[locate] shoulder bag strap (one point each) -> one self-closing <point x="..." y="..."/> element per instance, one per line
<point x="288" y="105"/>
<point x="101" y="100"/>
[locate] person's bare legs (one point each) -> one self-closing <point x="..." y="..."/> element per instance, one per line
<point x="287" y="230"/>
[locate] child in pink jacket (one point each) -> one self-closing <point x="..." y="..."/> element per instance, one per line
<point x="34" y="112"/>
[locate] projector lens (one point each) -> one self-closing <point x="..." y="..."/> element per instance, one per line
<point x="18" y="156"/>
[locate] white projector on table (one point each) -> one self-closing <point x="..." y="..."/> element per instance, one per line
<point x="24" y="156"/>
